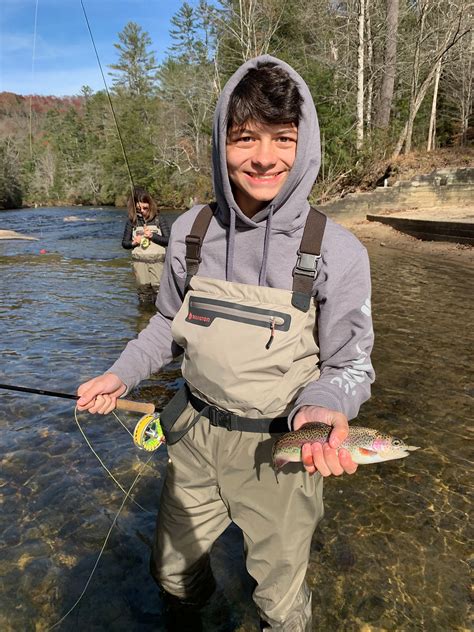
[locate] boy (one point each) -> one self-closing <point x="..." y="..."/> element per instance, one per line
<point x="271" y="305"/>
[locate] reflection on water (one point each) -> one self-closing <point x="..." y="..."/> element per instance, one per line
<point x="391" y="552"/>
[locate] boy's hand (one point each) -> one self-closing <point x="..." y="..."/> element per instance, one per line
<point x="324" y="458"/>
<point x="100" y="394"/>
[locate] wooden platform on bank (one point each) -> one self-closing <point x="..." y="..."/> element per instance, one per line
<point x="457" y="227"/>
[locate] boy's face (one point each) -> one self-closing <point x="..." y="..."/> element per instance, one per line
<point x="259" y="158"/>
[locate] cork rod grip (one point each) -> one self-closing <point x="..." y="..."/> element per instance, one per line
<point x="135" y="407"/>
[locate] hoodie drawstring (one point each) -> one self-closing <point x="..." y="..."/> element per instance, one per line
<point x="231" y="247"/>
<point x="229" y="268"/>
<point x="266" y="247"/>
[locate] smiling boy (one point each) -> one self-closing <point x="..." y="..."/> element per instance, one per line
<point x="271" y="305"/>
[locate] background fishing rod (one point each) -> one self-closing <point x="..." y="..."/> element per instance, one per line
<point x="132" y="185"/>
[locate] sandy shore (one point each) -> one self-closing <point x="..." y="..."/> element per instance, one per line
<point x="386" y="236"/>
<point x="12" y="234"/>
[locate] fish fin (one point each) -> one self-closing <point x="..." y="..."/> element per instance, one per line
<point x="366" y="452"/>
<point x="279" y="462"/>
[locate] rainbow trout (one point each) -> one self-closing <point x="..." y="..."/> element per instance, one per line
<point x="364" y="444"/>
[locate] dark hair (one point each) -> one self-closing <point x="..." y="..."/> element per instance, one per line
<point x="266" y="94"/>
<point x="140" y="195"/>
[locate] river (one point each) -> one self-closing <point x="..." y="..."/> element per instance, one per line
<point x="391" y="552"/>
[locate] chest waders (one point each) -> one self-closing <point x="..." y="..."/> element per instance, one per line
<point x="248" y="351"/>
<point x="147" y="262"/>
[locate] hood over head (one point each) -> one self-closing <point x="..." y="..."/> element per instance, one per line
<point x="287" y="211"/>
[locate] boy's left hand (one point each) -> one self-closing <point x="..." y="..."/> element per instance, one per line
<point x="324" y="458"/>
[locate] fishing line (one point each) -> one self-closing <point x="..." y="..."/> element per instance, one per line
<point x="100" y="460"/>
<point x="103" y="547"/>
<point x="132" y="186"/>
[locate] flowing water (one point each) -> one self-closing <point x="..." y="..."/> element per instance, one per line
<point x="391" y="553"/>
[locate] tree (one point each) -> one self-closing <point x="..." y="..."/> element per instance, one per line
<point x="10" y="188"/>
<point x="452" y="31"/>
<point x="136" y="65"/>
<point x="384" y="106"/>
<point x="249" y="26"/>
<point x="360" y="75"/>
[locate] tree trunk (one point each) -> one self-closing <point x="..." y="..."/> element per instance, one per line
<point x="360" y="77"/>
<point x="370" y="59"/>
<point x="382" y="117"/>
<point x="432" y="128"/>
<point x="418" y="94"/>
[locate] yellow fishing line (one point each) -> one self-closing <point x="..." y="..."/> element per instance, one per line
<point x="102" y="463"/>
<point x="127" y="494"/>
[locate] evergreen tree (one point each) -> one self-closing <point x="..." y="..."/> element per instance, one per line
<point x="136" y="67"/>
<point x="10" y="188"/>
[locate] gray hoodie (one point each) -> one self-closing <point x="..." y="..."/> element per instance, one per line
<point x="263" y="251"/>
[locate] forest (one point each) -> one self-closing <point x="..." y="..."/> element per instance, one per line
<point x="387" y="76"/>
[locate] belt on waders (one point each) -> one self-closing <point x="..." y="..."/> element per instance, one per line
<point x="217" y="417"/>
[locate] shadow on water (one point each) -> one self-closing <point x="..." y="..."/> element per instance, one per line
<point x="391" y="551"/>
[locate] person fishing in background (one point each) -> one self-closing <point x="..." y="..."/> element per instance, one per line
<point x="143" y="235"/>
<point x="270" y="302"/>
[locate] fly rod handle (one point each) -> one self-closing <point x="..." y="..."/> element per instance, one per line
<point x="135" y="407"/>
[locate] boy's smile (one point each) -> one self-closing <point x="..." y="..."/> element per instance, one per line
<point x="259" y="158"/>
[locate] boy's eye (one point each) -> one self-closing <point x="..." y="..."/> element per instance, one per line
<point x="245" y="139"/>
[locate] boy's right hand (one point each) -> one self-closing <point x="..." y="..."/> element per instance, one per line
<point x="100" y="394"/>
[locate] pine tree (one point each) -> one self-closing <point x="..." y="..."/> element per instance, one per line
<point x="136" y="67"/>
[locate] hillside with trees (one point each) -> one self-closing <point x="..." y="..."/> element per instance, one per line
<point x="388" y="77"/>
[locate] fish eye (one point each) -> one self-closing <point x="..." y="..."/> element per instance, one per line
<point x="396" y="443"/>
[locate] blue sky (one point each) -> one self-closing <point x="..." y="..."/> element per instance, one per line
<point x="64" y="58"/>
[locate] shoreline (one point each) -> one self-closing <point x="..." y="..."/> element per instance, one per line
<point x="374" y="233"/>
<point x="12" y="234"/>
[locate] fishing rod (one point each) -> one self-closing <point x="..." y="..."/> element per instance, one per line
<point x="148" y="434"/>
<point x="121" y="404"/>
<point x="132" y="186"/>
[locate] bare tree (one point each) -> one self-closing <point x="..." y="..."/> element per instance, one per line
<point x="432" y="128"/>
<point x="453" y="24"/>
<point x="251" y="25"/>
<point x="458" y="79"/>
<point x="360" y="76"/>
<point x="382" y="117"/>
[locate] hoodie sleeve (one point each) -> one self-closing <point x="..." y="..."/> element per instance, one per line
<point x="346" y="338"/>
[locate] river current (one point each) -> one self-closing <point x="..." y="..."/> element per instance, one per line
<point x="391" y="552"/>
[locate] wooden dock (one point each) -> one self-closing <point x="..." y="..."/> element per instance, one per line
<point x="457" y="229"/>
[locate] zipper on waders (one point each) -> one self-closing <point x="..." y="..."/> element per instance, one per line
<point x="272" y="333"/>
<point x="203" y="311"/>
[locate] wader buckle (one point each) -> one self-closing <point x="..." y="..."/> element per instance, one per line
<point x="306" y="264"/>
<point x="193" y="248"/>
<point x="220" y="418"/>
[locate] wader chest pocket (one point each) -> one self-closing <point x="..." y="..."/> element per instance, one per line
<point x="203" y="311"/>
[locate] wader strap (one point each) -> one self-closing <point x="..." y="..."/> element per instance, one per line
<point x="194" y="242"/>
<point x="217" y="417"/>
<point x="308" y="257"/>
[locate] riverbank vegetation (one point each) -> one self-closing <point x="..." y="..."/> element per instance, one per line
<point x="388" y="77"/>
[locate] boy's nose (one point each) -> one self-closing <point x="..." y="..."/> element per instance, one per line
<point x="264" y="154"/>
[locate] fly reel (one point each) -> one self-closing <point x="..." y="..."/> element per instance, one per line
<point x="148" y="434"/>
<point x="145" y="242"/>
